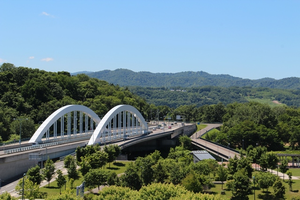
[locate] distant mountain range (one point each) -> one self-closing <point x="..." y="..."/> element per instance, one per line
<point x="125" y="77"/>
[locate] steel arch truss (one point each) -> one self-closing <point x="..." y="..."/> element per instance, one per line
<point x="59" y="115"/>
<point x="120" y="122"/>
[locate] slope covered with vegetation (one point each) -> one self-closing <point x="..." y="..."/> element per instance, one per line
<point x="208" y="95"/>
<point x="125" y="77"/>
<point x="34" y="94"/>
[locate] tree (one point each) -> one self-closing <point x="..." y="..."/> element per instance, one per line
<point x="95" y="177"/>
<point x="265" y="180"/>
<point x="283" y="167"/>
<point x="60" y="179"/>
<point x="241" y="185"/>
<point x="145" y="167"/>
<point x="98" y="159"/>
<point x="185" y="142"/>
<point x="112" y="151"/>
<point x="279" y="189"/>
<point x="68" y="160"/>
<point x="33" y="174"/>
<point x="222" y="174"/>
<point x="160" y="172"/>
<point x="131" y="177"/>
<point x="290" y="182"/>
<point x="7" y="196"/>
<point x="112" y="179"/>
<point x="48" y="170"/>
<point x="31" y="190"/>
<point x="72" y="172"/>
<point x="191" y="182"/>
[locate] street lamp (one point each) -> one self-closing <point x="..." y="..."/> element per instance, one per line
<point x="228" y="151"/>
<point x="254" y="186"/>
<point x="23" y="187"/>
<point x="20" y="119"/>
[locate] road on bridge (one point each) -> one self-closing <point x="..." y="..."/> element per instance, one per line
<point x="214" y="148"/>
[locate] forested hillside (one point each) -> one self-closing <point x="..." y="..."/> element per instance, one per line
<point x="34" y="94"/>
<point x="208" y="95"/>
<point x="124" y="77"/>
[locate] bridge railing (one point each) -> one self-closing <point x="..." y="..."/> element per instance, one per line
<point x="48" y="144"/>
<point x="220" y="145"/>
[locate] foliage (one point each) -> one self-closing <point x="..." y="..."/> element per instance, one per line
<point x="283" y="167"/>
<point x="35" y="94"/>
<point x="222" y="174"/>
<point x="33" y="174"/>
<point x="131" y="177"/>
<point x="265" y="180"/>
<point x="241" y="185"/>
<point x="279" y="189"/>
<point x="48" y="171"/>
<point x="31" y="190"/>
<point x="72" y="172"/>
<point x="7" y="196"/>
<point x="117" y="193"/>
<point x="112" y="151"/>
<point x="95" y="177"/>
<point x="60" y="179"/>
<point x="191" y="182"/>
<point x="185" y="142"/>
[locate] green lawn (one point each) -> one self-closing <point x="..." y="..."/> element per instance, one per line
<point x="201" y="126"/>
<point x="118" y="167"/>
<point x="288" y="195"/>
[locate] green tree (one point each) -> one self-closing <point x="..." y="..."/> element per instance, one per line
<point x="160" y="172"/>
<point x="145" y="167"/>
<point x="290" y="181"/>
<point x="131" y="177"/>
<point x="265" y="180"/>
<point x="7" y="196"/>
<point x="60" y="179"/>
<point x="33" y="174"/>
<point x="31" y="190"/>
<point x="241" y="185"/>
<point x="191" y="182"/>
<point x="279" y="189"/>
<point x="48" y="170"/>
<point x="72" y="172"/>
<point x="283" y="167"/>
<point x="112" y="179"/>
<point x="185" y="142"/>
<point x="222" y="174"/>
<point x="95" y="177"/>
<point x="112" y="151"/>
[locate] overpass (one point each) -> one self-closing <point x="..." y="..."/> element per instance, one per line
<point x="224" y="152"/>
<point x="122" y="125"/>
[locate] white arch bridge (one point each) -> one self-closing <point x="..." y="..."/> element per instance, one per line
<point x="82" y="123"/>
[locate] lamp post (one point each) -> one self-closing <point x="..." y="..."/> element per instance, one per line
<point x="23" y="187"/>
<point x="254" y="186"/>
<point x="20" y="119"/>
<point x="228" y="151"/>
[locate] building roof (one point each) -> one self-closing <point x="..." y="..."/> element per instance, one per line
<point x="202" y="155"/>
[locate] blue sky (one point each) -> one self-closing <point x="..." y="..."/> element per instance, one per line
<point x="248" y="39"/>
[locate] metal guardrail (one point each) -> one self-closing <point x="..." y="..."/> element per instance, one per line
<point x="61" y="141"/>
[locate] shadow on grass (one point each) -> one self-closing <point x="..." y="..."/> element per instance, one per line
<point x="113" y="168"/>
<point x="119" y="164"/>
<point x="51" y="187"/>
<point x="209" y="192"/>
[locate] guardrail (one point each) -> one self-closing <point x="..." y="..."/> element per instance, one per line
<point x="66" y="140"/>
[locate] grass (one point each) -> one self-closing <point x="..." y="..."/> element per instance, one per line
<point x="200" y="126"/>
<point x="264" y="101"/>
<point x="288" y="194"/>
<point x="118" y="167"/>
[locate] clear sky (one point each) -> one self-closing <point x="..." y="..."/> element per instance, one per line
<point x="243" y="38"/>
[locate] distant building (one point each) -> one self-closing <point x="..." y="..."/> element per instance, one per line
<point x="201" y="155"/>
